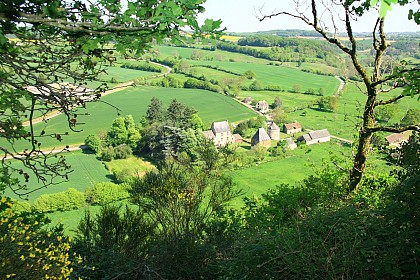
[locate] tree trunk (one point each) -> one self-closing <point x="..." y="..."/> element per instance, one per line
<point x="359" y="163"/>
<point x="365" y="136"/>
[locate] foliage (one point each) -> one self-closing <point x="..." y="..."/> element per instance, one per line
<point x="308" y="231"/>
<point x="59" y="42"/>
<point x="385" y="113"/>
<point x="178" y="131"/>
<point x="150" y="67"/>
<point x="108" y="153"/>
<point x="279" y="116"/>
<point x="248" y="127"/>
<point x="122" y="151"/>
<point x="182" y="199"/>
<point x="113" y="244"/>
<point x="277" y="102"/>
<point x="154" y="111"/>
<point x="60" y="201"/>
<point x="249" y="75"/>
<point x="28" y="250"/>
<point x="105" y="192"/>
<point x="94" y="143"/>
<point x="328" y="103"/>
<point x="256" y="85"/>
<point x="411" y="117"/>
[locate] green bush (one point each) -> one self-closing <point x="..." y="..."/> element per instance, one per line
<point x="122" y="151"/>
<point x="105" y="192"/>
<point x="108" y="154"/>
<point x="123" y="175"/>
<point x="61" y="201"/>
<point x="94" y="143"/>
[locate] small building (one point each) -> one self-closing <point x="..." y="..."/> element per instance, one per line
<point x="292" y="128"/>
<point x="261" y="138"/>
<point x="247" y="100"/>
<point x="220" y="134"/>
<point x="262" y="106"/>
<point x="316" y="136"/>
<point x="290" y="143"/>
<point x="273" y="131"/>
<point x="396" y="139"/>
<point x="238" y="138"/>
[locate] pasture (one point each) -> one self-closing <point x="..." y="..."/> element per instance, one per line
<point x="257" y="179"/>
<point x="135" y="100"/>
<point x="87" y="170"/>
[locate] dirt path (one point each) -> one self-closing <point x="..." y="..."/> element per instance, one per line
<point x="55" y="150"/>
<point x="342" y="84"/>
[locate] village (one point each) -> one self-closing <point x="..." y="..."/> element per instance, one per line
<point x="220" y="132"/>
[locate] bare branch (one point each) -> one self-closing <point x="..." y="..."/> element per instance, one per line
<point x="394" y="129"/>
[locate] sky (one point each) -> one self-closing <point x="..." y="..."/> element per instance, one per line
<point x="240" y="16"/>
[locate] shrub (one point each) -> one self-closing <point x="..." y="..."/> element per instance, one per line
<point x="108" y="154"/>
<point x="256" y="85"/>
<point x="123" y="175"/>
<point x="61" y="201"/>
<point x="105" y="192"/>
<point x="94" y="143"/>
<point x="122" y="151"/>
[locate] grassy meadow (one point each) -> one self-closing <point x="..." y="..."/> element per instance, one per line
<point x="86" y="170"/>
<point x="210" y="106"/>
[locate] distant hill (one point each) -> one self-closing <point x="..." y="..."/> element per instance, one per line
<point x="312" y="33"/>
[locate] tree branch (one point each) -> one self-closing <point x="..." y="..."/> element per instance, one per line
<point x="394" y="129"/>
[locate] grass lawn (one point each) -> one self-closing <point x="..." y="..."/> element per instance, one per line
<point x="289" y="99"/>
<point x="257" y="179"/>
<point x="135" y="165"/>
<point x="87" y="170"/>
<point x="211" y="107"/>
<point x="284" y="77"/>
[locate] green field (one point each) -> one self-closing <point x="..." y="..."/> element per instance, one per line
<point x="256" y="180"/>
<point x="87" y="170"/>
<point x="211" y="107"/>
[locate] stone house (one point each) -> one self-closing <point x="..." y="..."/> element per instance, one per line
<point x="290" y="143"/>
<point x="261" y="138"/>
<point x="220" y="134"/>
<point x="396" y="139"/>
<point x="273" y="131"/>
<point x="262" y="106"/>
<point x="292" y="128"/>
<point x="316" y="136"/>
<point x="247" y="100"/>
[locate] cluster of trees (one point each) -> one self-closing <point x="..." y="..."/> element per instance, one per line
<point x="119" y="142"/>
<point x="171" y="132"/>
<point x="161" y="133"/>
<point x="293" y="51"/>
<point x="247" y="128"/>
<point x="71" y="199"/>
<point x="144" y="66"/>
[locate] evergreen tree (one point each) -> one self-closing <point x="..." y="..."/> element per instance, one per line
<point x="154" y="111"/>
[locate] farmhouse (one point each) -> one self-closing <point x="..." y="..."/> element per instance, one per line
<point x="290" y="143"/>
<point x="316" y="136"/>
<point x="220" y="134"/>
<point x="273" y="131"/>
<point x="292" y="128"/>
<point x="262" y="106"/>
<point x="247" y="100"/>
<point x="396" y="139"/>
<point x="261" y="138"/>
